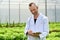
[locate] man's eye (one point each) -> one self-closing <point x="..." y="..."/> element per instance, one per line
<point x="33" y="9"/>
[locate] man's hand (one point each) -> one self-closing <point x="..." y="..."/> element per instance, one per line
<point x="33" y="34"/>
<point x="29" y="32"/>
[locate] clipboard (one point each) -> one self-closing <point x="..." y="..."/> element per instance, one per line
<point x="37" y="33"/>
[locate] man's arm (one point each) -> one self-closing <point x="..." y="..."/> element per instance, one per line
<point x="27" y="27"/>
<point x="45" y="28"/>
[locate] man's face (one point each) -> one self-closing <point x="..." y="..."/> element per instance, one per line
<point x="34" y="9"/>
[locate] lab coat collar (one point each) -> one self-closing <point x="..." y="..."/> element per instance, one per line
<point x="39" y="18"/>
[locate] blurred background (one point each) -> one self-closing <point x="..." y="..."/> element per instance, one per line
<point x="18" y="10"/>
<point x="14" y="14"/>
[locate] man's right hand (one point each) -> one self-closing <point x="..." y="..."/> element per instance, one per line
<point x="29" y="32"/>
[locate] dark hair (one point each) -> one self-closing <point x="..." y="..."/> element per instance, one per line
<point x="31" y="4"/>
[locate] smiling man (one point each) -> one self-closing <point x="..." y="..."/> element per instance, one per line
<point x="37" y="27"/>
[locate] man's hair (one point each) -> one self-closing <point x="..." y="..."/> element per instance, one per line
<point x="31" y="4"/>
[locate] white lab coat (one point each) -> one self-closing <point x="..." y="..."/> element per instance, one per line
<point x="40" y="26"/>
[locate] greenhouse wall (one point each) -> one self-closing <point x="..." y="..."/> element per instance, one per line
<point x="18" y="10"/>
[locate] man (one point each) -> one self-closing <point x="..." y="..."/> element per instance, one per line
<point x="37" y="25"/>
